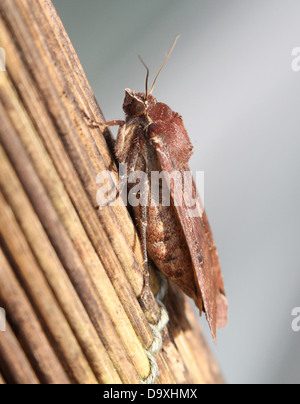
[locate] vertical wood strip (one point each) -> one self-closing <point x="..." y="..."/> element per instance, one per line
<point x="14" y="364"/>
<point x="26" y="324"/>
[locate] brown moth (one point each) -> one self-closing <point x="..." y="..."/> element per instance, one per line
<point x="153" y="139"/>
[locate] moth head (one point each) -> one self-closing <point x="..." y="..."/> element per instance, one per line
<point x="136" y="104"/>
<point x="139" y="104"/>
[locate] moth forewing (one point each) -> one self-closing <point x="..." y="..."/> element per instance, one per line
<point x="174" y="150"/>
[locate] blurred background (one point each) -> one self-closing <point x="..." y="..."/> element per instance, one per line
<point x="231" y="78"/>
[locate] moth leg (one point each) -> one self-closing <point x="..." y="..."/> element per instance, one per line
<point x="101" y="125"/>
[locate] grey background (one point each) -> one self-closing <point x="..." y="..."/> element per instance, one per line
<point x="230" y="77"/>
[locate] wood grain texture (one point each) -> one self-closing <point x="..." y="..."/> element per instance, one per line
<point x="28" y="327"/>
<point x="14" y="362"/>
<point x="67" y="261"/>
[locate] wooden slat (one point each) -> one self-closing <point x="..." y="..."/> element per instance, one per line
<point x="49" y="262"/>
<point x="13" y="361"/>
<point x="28" y="328"/>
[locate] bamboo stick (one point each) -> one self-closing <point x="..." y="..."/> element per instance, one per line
<point x="71" y="259"/>
<point x="13" y="361"/>
<point x="41" y="295"/>
<point x="47" y="257"/>
<point x="29" y="330"/>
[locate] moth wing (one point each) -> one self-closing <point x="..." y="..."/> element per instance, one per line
<point x="173" y="153"/>
<point x="208" y="270"/>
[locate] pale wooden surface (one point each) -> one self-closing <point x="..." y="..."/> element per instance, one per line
<point x="76" y="270"/>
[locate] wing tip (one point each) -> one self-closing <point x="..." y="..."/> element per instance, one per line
<point x="219" y="318"/>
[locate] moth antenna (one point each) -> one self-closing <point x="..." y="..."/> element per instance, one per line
<point x="162" y="65"/>
<point x="147" y="75"/>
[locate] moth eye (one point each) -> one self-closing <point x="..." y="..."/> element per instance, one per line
<point x="139" y="108"/>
